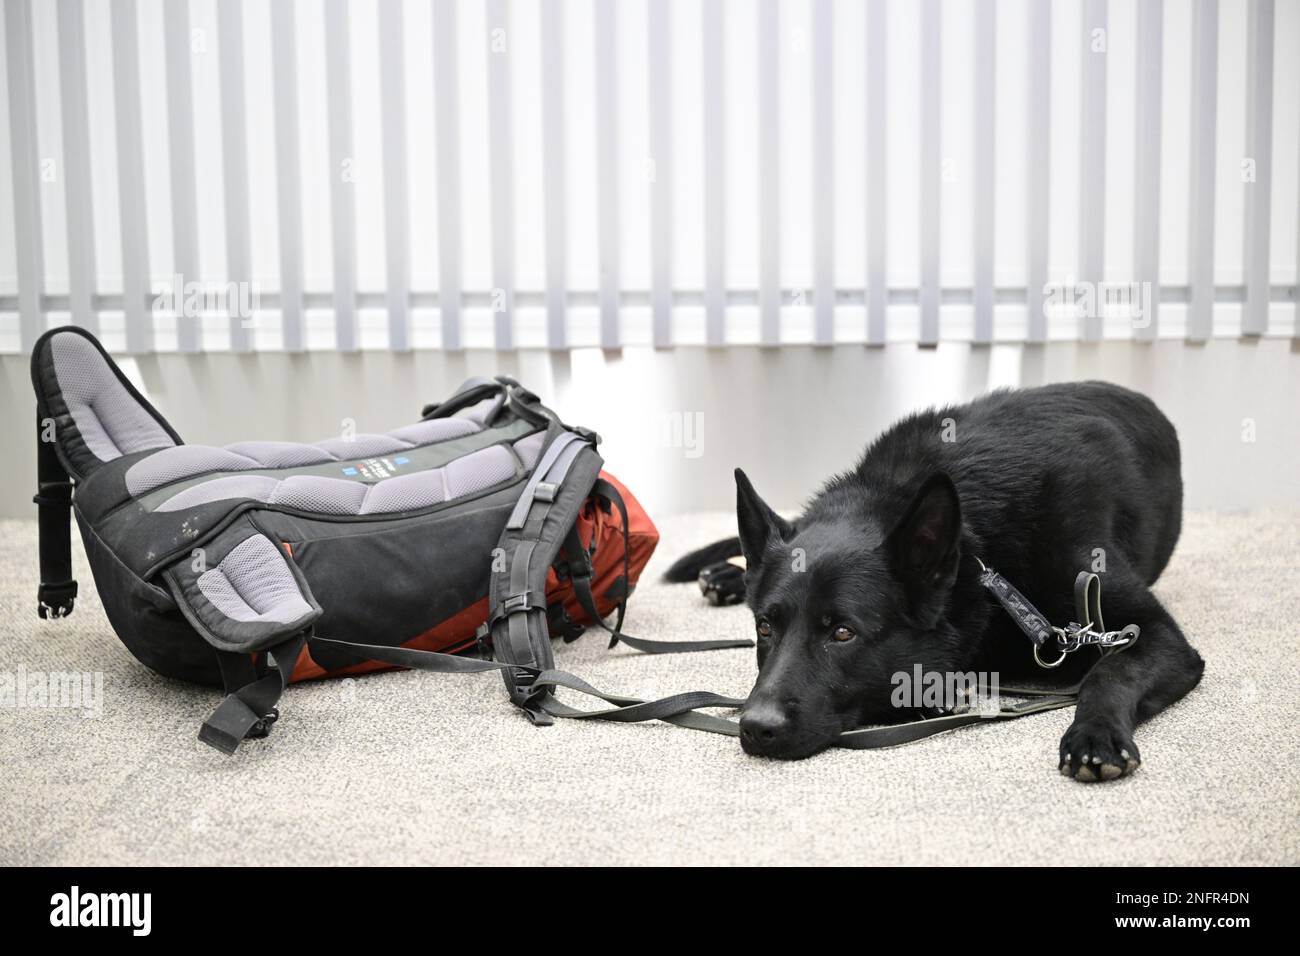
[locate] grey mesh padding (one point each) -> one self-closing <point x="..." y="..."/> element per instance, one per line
<point x="230" y="487"/>
<point x="406" y="493"/>
<point x="316" y="493"/>
<point x="435" y="429"/>
<point x="182" y="461"/>
<point x="480" y="412"/>
<point x="111" y="422"/>
<point x="253" y="583"/>
<point x="529" y="447"/>
<point x="319" y="494"/>
<point x="363" y="446"/>
<point x="279" y="454"/>
<point x="484" y="468"/>
<point x="188" y="461"/>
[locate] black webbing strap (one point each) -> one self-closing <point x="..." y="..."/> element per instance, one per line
<point x="580" y="576"/>
<point x="892" y="735"/>
<point x="250" y="710"/>
<point x="544" y="481"/>
<point x="58" y="590"/>
<point x="680" y="709"/>
<point x="579" y="561"/>
<point x="683" y="710"/>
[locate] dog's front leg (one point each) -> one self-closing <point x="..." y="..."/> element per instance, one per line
<point x="1127" y="687"/>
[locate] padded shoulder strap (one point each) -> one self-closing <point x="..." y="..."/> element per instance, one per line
<point x="87" y="413"/>
<point x="547" y="508"/>
<point x="241" y="592"/>
<point x="96" y="413"/>
<point x="245" y="596"/>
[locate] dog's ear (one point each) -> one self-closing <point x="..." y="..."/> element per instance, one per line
<point x="758" y="523"/>
<point x="923" y="546"/>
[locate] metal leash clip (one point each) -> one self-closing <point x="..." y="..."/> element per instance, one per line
<point x="1075" y="636"/>
<point x="1087" y="607"/>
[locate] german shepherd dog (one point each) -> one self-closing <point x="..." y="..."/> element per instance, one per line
<point x="881" y="571"/>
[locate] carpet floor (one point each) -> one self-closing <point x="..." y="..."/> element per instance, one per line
<point x="415" y="768"/>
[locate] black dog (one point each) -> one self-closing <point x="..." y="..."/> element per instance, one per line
<point x="881" y="571"/>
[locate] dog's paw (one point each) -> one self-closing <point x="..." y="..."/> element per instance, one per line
<point x="1095" y="750"/>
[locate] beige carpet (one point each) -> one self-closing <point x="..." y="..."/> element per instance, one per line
<point x="413" y="768"/>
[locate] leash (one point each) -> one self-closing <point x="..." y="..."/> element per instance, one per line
<point x="683" y="710"/>
<point x="1088" y="631"/>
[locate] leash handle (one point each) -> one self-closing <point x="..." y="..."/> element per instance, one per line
<point x="1027" y="617"/>
<point x="1089" y="629"/>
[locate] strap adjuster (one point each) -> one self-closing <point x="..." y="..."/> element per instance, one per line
<point x="514" y="604"/>
<point x="546" y="491"/>
<point x="55" y="600"/>
<point x="482" y="641"/>
<point x="263" y="727"/>
<point x="63" y="497"/>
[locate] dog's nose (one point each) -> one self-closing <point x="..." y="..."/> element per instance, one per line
<point x="763" y="726"/>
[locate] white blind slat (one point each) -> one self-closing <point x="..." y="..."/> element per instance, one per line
<point x="20" y="74"/>
<point x="234" y="155"/>
<point x="1259" y="146"/>
<point x="76" y="164"/>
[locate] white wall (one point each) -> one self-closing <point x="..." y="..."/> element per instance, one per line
<point x="676" y="422"/>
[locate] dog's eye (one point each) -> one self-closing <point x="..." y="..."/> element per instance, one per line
<point x="764" y="629"/>
<point x="842" y="633"/>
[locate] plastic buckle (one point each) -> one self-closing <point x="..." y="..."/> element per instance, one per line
<point x="263" y="727"/>
<point x="545" y="491"/>
<point x="560" y="624"/>
<point x="516" y="603"/>
<point x="482" y="641"/>
<point x="56" y="600"/>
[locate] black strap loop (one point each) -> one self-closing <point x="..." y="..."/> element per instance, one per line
<point x="580" y="573"/>
<point x="58" y="590"/>
<point x="250" y="710"/>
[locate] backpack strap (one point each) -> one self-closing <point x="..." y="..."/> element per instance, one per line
<point x="58" y="589"/>
<point x="247" y="599"/>
<point x="547" y="507"/>
<point x="579" y="561"/>
<point x="679" y="709"/>
<point x="248" y="709"/>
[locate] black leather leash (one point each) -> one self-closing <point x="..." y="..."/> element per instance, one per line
<point x="1089" y="630"/>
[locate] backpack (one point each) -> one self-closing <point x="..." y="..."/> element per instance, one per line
<point x="458" y="544"/>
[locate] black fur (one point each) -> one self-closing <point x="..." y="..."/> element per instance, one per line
<point x="1038" y="483"/>
<point x="689" y="567"/>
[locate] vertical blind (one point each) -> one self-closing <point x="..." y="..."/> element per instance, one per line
<point x="304" y="174"/>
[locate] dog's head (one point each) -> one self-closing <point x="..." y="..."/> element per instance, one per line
<point x="843" y="602"/>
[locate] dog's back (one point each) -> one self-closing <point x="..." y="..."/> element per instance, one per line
<point x="1040" y="469"/>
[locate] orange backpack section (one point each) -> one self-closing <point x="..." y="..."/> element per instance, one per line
<point x="457" y="633"/>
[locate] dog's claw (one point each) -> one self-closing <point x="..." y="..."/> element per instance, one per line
<point x="1106" y="750"/>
